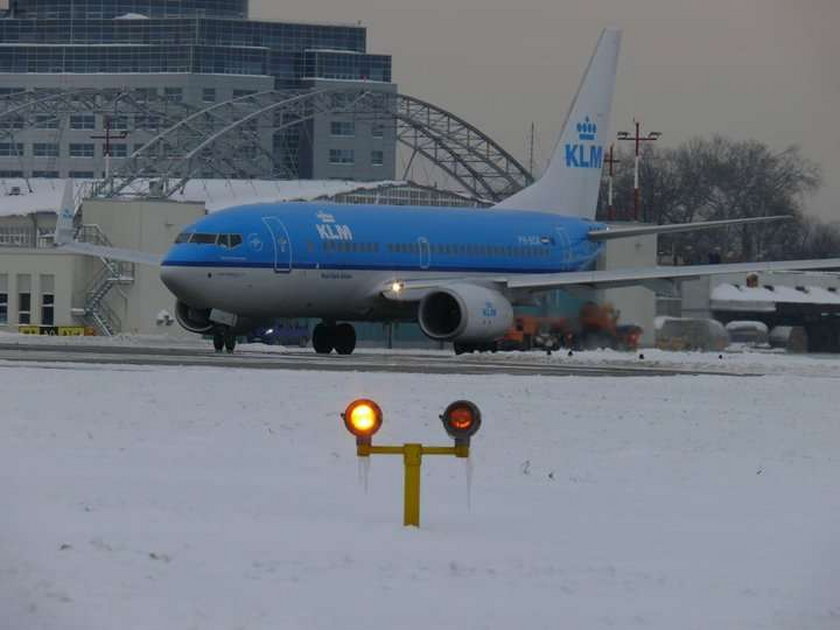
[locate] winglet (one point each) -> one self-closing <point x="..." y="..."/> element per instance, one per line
<point x="571" y="182"/>
<point x="64" y="230"/>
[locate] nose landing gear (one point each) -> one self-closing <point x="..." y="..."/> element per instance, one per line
<point x="341" y="337"/>
<point x="224" y="339"/>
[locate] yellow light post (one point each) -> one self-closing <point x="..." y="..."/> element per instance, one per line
<point x="363" y="418"/>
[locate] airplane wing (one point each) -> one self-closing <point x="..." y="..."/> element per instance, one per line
<point x="671" y="228"/>
<point x="652" y="277"/>
<point x="112" y="253"/>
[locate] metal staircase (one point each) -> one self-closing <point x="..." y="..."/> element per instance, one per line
<point x="113" y="275"/>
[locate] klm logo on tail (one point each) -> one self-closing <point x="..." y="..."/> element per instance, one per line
<point x="585" y="154"/>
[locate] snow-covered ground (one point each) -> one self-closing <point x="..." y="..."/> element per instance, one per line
<point x="158" y="498"/>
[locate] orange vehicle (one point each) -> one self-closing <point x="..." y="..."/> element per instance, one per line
<point x="596" y="327"/>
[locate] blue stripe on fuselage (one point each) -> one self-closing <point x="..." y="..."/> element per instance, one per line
<point x="400" y="238"/>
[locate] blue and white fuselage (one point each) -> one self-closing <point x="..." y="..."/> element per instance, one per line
<point x="332" y="261"/>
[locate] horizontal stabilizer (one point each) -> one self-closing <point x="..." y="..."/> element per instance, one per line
<point x="644" y="230"/>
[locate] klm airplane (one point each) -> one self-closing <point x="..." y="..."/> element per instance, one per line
<point x="458" y="273"/>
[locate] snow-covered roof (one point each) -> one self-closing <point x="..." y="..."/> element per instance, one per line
<point x="730" y="296"/>
<point x="45" y="195"/>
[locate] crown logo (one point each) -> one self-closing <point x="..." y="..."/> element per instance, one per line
<point x="587" y="130"/>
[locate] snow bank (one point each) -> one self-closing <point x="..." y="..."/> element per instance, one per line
<point x="208" y="498"/>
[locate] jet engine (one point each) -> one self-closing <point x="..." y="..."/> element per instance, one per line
<point x="193" y="319"/>
<point x="464" y="313"/>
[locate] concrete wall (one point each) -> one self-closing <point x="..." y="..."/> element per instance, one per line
<point x="637" y="304"/>
<point x="148" y="226"/>
<point x="68" y="279"/>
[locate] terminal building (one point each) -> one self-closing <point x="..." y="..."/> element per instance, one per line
<point x="166" y="59"/>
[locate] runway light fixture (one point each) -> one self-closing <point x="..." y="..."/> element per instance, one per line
<point x="362" y="417"/>
<point x="461" y="420"/>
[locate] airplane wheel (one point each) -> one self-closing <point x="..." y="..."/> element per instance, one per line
<point x="218" y="341"/>
<point x="230" y="342"/>
<point x="345" y="339"/>
<point x="322" y="339"/>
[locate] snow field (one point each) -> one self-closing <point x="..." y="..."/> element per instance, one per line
<point x="208" y="498"/>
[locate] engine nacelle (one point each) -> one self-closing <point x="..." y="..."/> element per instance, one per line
<point x="193" y="319"/>
<point x="465" y="313"/>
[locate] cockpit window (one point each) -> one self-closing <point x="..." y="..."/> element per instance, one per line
<point x="230" y="240"/>
<point x="204" y="239"/>
<point x="201" y="238"/>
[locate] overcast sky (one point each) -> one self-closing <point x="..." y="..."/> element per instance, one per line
<point x="763" y="69"/>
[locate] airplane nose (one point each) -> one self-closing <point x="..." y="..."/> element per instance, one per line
<point x="180" y="281"/>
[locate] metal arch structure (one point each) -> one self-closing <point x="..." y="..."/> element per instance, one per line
<point x="49" y="108"/>
<point x="27" y="109"/>
<point x="235" y="139"/>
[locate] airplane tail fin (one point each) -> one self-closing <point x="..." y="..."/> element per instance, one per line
<point x="571" y="182"/>
<point x="64" y="230"/>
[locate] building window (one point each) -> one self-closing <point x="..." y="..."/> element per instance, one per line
<point x="11" y="174"/>
<point x="45" y="149"/>
<point x="11" y="149"/>
<point x="24" y="304"/>
<point x="377" y="158"/>
<point x="80" y="174"/>
<point x="208" y="95"/>
<point x="82" y="121"/>
<point x="47" y="300"/>
<point x="173" y="94"/>
<point x="119" y="122"/>
<point x="342" y="128"/>
<point x="118" y="150"/>
<point x="45" y="121"/>
<point x="4" y="298"/>
<point x="377" y="130"/>
<point x="45" y="174"/>
<point x="81" y="150"/>
<point x="342" y="156"/>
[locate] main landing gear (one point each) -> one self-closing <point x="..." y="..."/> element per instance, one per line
<point x="341" y="337"/>
<point x="224" y="339"/>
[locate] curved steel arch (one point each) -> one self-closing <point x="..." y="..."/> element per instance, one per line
<point x="233" y="137"/>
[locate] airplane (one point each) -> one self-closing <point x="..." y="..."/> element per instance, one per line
<point x="457" y="272"/>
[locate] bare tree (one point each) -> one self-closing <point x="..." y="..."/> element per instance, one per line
<point x="721" y="178"/>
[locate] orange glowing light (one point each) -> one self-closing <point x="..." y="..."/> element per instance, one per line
<point x="461" y="418"/>
<point x="363" y="417"/>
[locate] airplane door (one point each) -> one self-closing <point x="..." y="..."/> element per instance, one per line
<point x="565" y="245"/>
<point x="282" y="244"/>
<point x="425" y="252"/>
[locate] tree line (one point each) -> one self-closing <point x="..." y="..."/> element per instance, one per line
<point x="721" y="178"/>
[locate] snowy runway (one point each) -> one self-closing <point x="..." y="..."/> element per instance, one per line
<point x="206" y="498"/>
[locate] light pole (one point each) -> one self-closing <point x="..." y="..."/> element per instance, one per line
<point x="610" y="160"/>
<point x="637" y="139"/>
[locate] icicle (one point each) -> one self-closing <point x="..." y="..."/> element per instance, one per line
<point x="468" y="471"/>
<point x="364" y="472"/>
